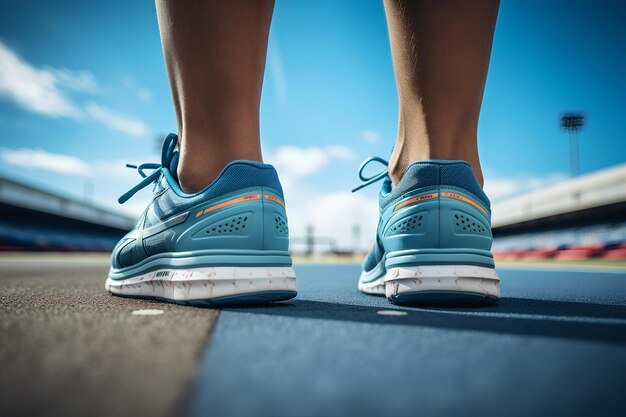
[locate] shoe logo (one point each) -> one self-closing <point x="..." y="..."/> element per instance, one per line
<point x="228" y="203"/>
<point x="416" y="199"/>
<point x="239" y="200"/>
<point x="465" y="200"/>
<point x="443" y="194"/>
<point x="274" y="199"/>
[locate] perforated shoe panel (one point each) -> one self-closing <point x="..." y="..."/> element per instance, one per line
<point x="235" y="225"/>
<point x="467" y="224"/>
<point x="410" y="224"/>
<point x="281" y="227"/>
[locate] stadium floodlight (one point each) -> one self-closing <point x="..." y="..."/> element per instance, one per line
<point x="573" y="123"/>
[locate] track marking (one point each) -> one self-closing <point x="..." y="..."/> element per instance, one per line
<point x="148" y="312"/>
<point x="391" y="313"/>
<point x="539" y="317"/>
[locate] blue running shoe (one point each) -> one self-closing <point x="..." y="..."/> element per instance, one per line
<point x="225" y="244"/>
<point x="433" y="242"/>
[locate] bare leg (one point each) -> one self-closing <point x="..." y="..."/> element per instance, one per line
<point x="215" y="57"/>
<point x="440" y="55"/>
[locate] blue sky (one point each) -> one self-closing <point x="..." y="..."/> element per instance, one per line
<point x="83" y="90"/>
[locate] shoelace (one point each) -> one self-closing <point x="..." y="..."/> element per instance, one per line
<point x="166" y="155"/>
<point x="376" y="177"/>
<point x="147" y="179"/>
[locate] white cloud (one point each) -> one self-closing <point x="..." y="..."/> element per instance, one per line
<point x="82" y="81"/>
<point x="498" y="188"/>
<point x="130" y="83"/>
<point x="301" y="162"/>
<point x="40" y="159"/>
<point x="340" y="152"/>
<point x="36" y="90"/>
<point x="117" y="121"/>
<point x="144" y="95"/>
<point x="333" y="215"/>
<point x="370" y="136"/>
<point x="277" y="71"/>
<point x="45" y="91"/>
<point x="72" y="165"/>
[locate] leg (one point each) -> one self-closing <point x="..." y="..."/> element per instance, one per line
<point x="440" y="55"/>
<point x="215" y="57"/>
<point x="438" y="226"/>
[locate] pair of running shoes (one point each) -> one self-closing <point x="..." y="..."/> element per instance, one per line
<point x="229" y="243"/>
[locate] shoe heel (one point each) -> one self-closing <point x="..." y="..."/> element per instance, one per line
<point x="441" y="284"/>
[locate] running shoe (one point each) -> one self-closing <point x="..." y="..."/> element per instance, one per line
<point x="228" y="243"/>
<point x="433" y="242"/>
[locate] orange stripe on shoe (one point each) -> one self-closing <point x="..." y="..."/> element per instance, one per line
<point x="416" y="199"/>
<point x="274" y="199"/>
<point x="229" y="203"/>
<point x="464" y="199"/>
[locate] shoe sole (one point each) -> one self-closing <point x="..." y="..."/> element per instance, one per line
<point x="371" y="282"/>
<point x="442" y="284"/>
<point x="375" y="287"/>
<point x="223" y="285"/>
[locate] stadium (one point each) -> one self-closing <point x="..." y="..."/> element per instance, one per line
<point x="474" y="264"/>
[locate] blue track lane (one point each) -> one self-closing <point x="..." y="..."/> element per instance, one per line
<point x="554" y="345"/>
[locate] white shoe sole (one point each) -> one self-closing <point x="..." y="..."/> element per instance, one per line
<point x="434" y="283"/>
<point x="210" y="285"/>
<point x="371" y="282"/>
<point x="376" y="287"/>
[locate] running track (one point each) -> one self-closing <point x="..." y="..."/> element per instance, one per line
<point x="555" y="345"/>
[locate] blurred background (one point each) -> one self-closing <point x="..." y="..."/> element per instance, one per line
<point x="83" y="91"/>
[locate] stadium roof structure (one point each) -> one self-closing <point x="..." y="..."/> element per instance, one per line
<point x="24" y="196"/>
<point x="598" y="194"/>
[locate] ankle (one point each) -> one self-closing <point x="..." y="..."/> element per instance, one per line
<point x="193" y="179"/>
<point x="404" y="155"/>
<point x="198" y="168"/>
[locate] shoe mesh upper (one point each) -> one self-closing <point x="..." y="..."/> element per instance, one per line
<point x="426" y="174"/>
<point x="235" y="177"/>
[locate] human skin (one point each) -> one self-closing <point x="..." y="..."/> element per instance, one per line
<point x="215" y="54"/>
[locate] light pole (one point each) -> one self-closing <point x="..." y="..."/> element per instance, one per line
<point x="573" y="123"/>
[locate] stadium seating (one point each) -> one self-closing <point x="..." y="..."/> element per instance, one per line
<point x="575" y="243"/>
<point x="16" y="236"/>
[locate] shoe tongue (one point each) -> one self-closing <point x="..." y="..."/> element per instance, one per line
<point x="173" y="167"/>
<point x="170" y="155"/>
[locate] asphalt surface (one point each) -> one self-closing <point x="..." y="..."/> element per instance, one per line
<point x="555" y="345"/>
<point x="68" y="348"/>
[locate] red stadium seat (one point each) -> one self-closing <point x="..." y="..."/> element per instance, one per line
<point x="537" y="254"/>
<point x="617" y="253"/>
<point x="580" y="252"/>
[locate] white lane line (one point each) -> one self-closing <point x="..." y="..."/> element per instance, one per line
<point x="148" y="312"/>
<point x="391" y="313"/>
<point x="573" y="319"/>
<point x="563" y="268"/>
